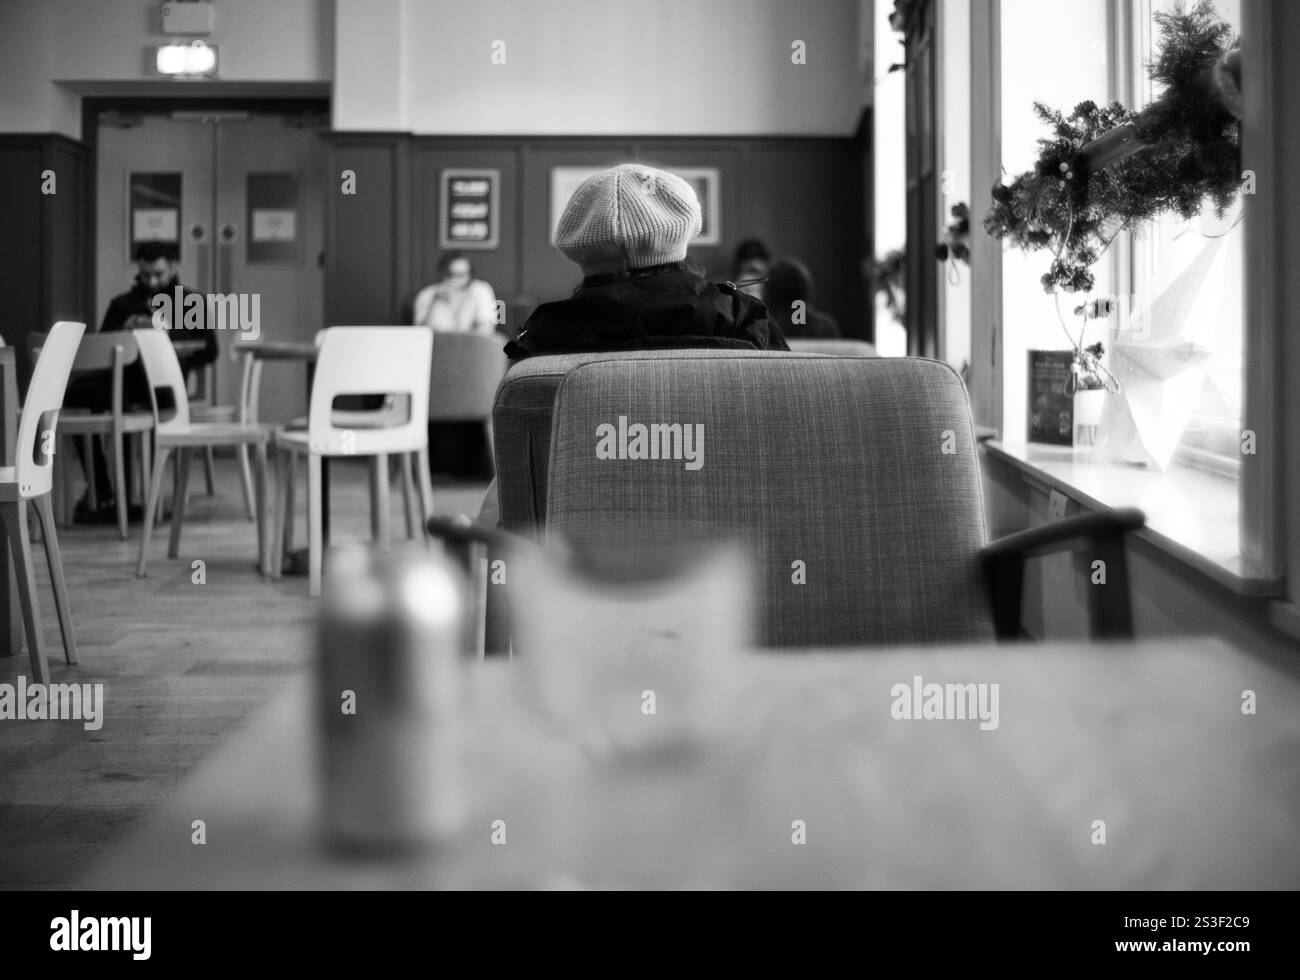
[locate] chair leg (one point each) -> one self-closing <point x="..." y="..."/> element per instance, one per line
<point x="315" y="538"/>
<point x="184" y="459"/>
<point x="290" y="500"/>
<point x="88" y="446"/>
<point x="146" y="464"/>
<point x="426" y="482"/>
<point x="14" y="514"/>
<point x="408" y="493"/>
<point x="119" y="481"/>
<point x="279" y="458"/>
<point x="373" y="463"/>
<point x="209" y="470"/>
<point x="383" y="504"/>
<point x="247" y="478"/>
<point x="265" y="536"/>
<point x="151" y="508"/>
<point x="45" y="515"/>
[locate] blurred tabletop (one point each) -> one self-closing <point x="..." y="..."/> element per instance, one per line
<point x="1149" y="738"/>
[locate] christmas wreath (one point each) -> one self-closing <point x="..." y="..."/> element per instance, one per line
<point x="1106" y="168"/>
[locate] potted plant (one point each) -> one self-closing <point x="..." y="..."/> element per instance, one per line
<point x="1106" y="169"/>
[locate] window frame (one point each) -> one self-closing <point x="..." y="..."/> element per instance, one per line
<point x="1263" y="529"/>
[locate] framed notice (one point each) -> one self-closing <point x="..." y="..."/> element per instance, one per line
<point x="1051" y="410"/>
<point x="469" y="208"/>
<point x="272" y="221"/>
<point x="154" y="204"/>
<point x="704" y="181"/>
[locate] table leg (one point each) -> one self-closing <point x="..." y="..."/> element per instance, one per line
<point x="325" y="500"/>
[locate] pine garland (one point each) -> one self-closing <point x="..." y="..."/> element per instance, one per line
<point x="1190" y="152"/>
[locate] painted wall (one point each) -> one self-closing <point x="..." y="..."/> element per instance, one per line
<point x="45" y="42"/>
<point x="721" y="68"/>
<point x="598" y="67"/>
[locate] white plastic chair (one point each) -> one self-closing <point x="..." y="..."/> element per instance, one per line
<point x="113" y="351"/>
<point x="177" y="433"/>
<point x="355" y="361"/>
<point x="30" y="480"/>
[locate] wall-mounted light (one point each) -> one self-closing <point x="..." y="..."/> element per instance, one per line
<point x="194" y="60"/>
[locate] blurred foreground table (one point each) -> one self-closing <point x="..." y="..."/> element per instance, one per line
<point x="1149" y="738"/>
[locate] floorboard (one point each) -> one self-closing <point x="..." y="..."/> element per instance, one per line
<point x="183" y="666"/>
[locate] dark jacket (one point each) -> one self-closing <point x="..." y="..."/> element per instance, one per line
<point x="665" y="307"/>
<point x="135" y="302"/>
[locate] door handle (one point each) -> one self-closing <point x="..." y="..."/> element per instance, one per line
<point x="225" y="256"/>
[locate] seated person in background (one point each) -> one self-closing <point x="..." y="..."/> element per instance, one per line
<point x="751" y="262"/>
<point x="789" y="297"/>
<point x="628" y="229"/>
<point x="155" y="274"/>
<point x="458" y="301"/>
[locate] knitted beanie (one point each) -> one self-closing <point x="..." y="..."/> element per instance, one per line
<point x="629" y="217"/>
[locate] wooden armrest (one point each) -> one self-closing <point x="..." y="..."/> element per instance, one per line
<point x="1102" y="533"/>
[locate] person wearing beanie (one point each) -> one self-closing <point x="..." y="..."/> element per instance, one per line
<point x="628" y="229"/>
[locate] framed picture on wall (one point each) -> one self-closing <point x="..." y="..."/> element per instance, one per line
<point x="704" y="180"/>
<point x="469" y="209"/>
<point x="564" y="181"/>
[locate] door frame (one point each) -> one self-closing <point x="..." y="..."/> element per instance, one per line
<point x="92" y="106"/>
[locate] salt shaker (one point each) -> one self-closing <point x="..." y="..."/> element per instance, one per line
<point x="389" y="699"/>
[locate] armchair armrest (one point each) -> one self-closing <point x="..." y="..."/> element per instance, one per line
<point x="1101" y="533"/>
<point x="463" y="538"/>
<point x="462" y="531"/>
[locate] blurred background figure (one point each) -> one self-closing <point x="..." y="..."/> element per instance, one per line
<point x="751" y="261"/>
<point x="458" y="301"/>
<point x="789" y="297"/>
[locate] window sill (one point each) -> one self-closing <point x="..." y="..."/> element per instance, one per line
<point x="1192" y="516"/>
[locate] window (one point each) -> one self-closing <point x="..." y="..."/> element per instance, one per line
<point x="1187" y="280"/>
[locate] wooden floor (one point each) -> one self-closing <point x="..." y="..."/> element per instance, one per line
<point x="182" y="665"/>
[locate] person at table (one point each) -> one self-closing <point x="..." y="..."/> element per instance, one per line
<point x="156" y="273"/>
<point x="457" y="301"/>
<point x="790" y="298"/>
<point x="628" y="230"/>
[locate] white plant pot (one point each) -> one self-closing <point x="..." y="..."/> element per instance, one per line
<point x="1088" y="405"/>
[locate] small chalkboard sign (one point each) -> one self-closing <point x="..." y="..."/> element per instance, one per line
<point x="469" y="209"/>
<point x="1051" y="410"/>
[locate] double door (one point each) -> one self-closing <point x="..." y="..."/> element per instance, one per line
<point x="239" y="198"/>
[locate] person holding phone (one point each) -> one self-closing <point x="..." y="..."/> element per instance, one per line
<point x="457" y="301"/>
<point x="156" y="273"/>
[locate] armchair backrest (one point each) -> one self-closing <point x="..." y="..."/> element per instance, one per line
<point x="466" y="369"/>
<point x="521" y="422"/>
<point x="840" y="347"/>
<point x="853" y="483"/>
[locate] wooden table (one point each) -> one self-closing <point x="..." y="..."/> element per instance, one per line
<point x="1148" y="737"/>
